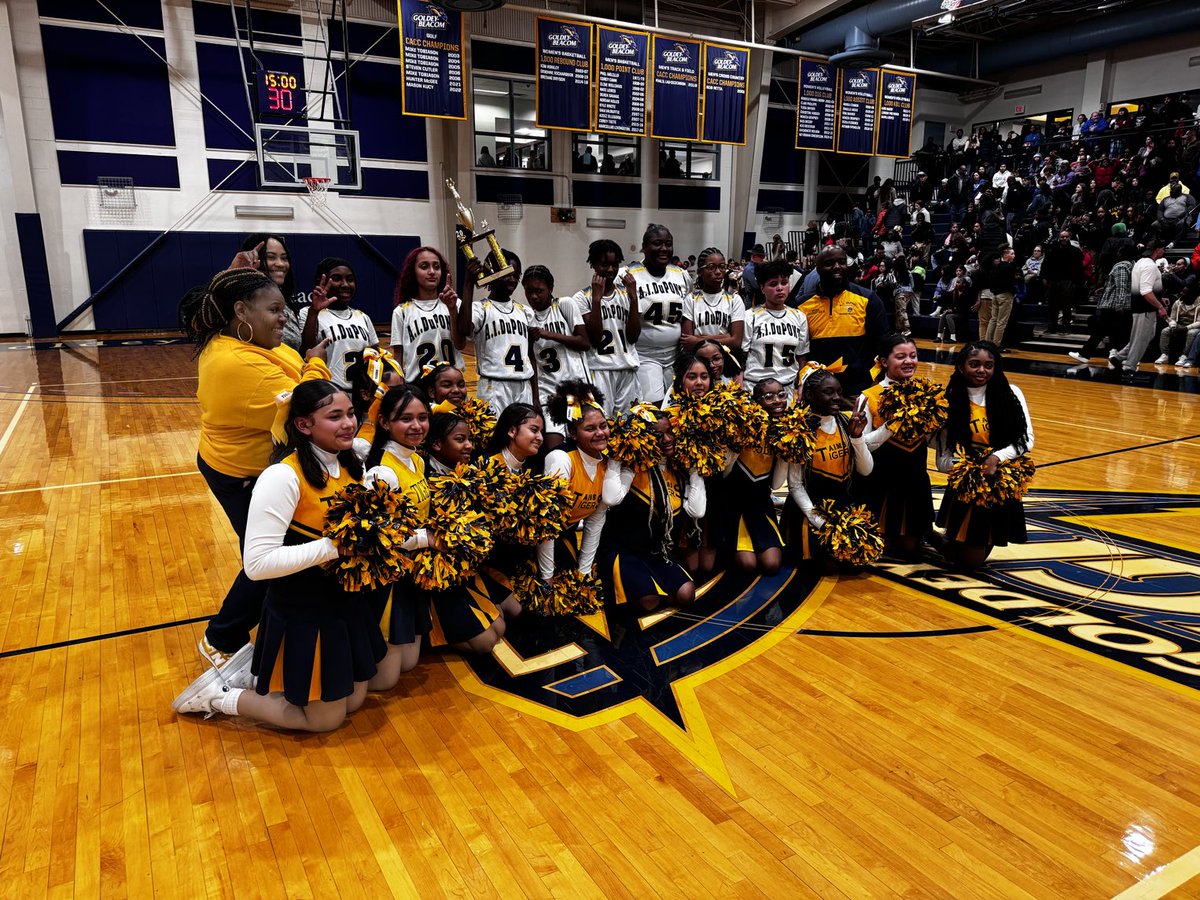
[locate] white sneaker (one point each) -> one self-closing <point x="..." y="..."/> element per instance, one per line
<point x="1162" y="360"/>
<point x="199" y="696"/>
<point x="1183" y="363"/>
<point x="1078" y="357"/>
<point x="236" y="672"/>
<point x="953" y="338"/>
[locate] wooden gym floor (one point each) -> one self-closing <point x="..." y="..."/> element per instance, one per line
<point x="1028" y="732"/>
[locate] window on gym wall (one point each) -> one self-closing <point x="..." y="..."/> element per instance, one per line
<point x="506" y="134"/>
<point x="606" y="154"/>
<point x="683" y="159"/>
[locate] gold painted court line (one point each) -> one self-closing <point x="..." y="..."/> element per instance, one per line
<point x="121" y="381"/>
<point x="1165" y="878"/>
<point x="78" y="484"/>
<point x="12" y="423"/>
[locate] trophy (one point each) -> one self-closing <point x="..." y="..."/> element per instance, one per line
<point x="466" y="235"/>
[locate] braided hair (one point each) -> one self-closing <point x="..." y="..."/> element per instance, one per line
<point x="204" y="312"/>
<point x="539" y="273"/>
<point x="599" y="249"/>
<point x="1006" y="417"/>
<point x="807" y="391"/>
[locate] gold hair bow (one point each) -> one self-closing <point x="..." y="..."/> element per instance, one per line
<point x="444" y="407"/>
<point x="647" y="412"/>
<point x="575" y="406"/>
<point x="430" y="366"/>
<point x="377" y="358"/>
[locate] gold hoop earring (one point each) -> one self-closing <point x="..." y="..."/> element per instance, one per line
<point x="238" y="331"/>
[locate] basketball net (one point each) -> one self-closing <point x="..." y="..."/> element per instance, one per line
<point x="318" y="191"/>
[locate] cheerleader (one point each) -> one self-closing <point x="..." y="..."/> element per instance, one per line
<point x="747" y="515"/>
<point x="576" y="406"/>
<point x="331" y="317"/>
<point x="614" y="324"/>
<point x="661" y="289"/>
<point x="317" y="645"/>
<point x="449" y="444"/>
<point x="500" y="327"/>
<point x="898" y="490"/>
<point x="646" y="512"/>
<point x="985" y="412"/>
<point x="776" y="334"/>
<point x="725" y="367"/>
<point x="692" y="376"/>
<point x="560" y="341"/>
<point x="425" y="320"/>
<point x="402" y="425"/>
<point x="840" y="454"/>
<point x="443" y="382"/>
<point x="710" y="310"/>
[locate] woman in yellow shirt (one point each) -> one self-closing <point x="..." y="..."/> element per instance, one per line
<point x="237" y="322"/>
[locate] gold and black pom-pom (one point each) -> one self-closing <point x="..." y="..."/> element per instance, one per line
<point x="540" y="503"/>
<point x="633" y="442"/>
<point x="458" y="522"/>
<point x="480" y="419"/>
<point x="742" y="422"/>
<point x="699" y="434"/>
<point x="971" y="485"/>
<point x="369" y="525"/>
<point x="790" y="437"/>
<point x="494" y="483"/>
<point x="914" y="409"/>
<point x="850" y="534"/>
<point x="569" y="593"/>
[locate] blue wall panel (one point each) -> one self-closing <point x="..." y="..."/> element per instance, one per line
<point x="405" y="184"/>
<point x="384" y="132"/>
<point x="106" y="86"/>
<point x="83" y="167"/>
<point x="533" y="191"/>
<point x="502" y="57"/>
<point x="214" y="20"/>
<point x="788" y="201"/>
<point x="377" y="40"/>
<point x="618" y="194"/>
<point x="134" y="13"/>
<point x="782" y="163"/>
<point x="221" y="82"/>
<point x="148" y="296"/>
<point x="686" y="196"/>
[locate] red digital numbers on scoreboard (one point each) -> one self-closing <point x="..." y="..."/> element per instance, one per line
<point x="280" y="94"/>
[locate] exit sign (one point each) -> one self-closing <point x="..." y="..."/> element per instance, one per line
<point x="1019" y="109"/>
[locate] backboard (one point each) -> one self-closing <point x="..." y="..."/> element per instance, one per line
<point x="289" y="153"/>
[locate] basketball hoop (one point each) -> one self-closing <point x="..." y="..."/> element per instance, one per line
<point x="318" y="190"/>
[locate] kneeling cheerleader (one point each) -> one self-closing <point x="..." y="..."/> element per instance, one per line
<point x="317" y="645"/>
<point x="905" y="414"/>
<point x="819" y="519"/>
<point x="646" y="512"/>
<point x="982" y="508"/>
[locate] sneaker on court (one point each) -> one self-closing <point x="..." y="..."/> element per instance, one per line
<point x="1078" y="357"/>
<point x="198" y="696"/>
<point x="1183" y="363"/>
<point x="1162" y="360"/>
<point x="236" y="672"/>
<point x="217" y="658"/>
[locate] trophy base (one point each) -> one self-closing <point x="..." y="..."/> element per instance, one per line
<point x="495" y="276"/>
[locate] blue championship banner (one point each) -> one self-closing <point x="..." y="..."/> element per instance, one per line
<point x="726" y="70"/>
<point x="896" y="113"/>
<point x="431" y="61"/>
<point x="564" y="74"/>
<point x="858" y="106"/>
<point x="621" y="69"/>
<point x="816" y="106"/>
<point x="675" y="113"/>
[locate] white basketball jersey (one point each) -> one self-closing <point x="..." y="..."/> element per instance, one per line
<point x="713" y="313"/>
<point x="660" y="300"/>
<point x="501" y="332"/>
<point x="613" y="352"/>
<point x="348" y="330"/>
<point x="776" y="337"/>
<point x="556" y="362"/>
<point x="421" y="336"/>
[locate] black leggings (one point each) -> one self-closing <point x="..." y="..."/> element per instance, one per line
<point x="229" y="630"/>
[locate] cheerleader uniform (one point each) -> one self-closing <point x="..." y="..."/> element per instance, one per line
<point x="403" y="609"/>
<point x="315" y="640"/>
<point x="898" y="490"/>
<point x="980" y="526"/>
<point x="639" y="536"/>
<point x="827" y="476"/>
<point x="613" y="362"/>
<point x="585" y="474"/>
<point x="421" y="336"/>
<point x="745" y="520"/>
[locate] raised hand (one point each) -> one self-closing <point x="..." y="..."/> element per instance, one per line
<point x="320" y="295"/>
<point x="319" y="350"/>
<point x="630" y="283"/>
<point x="248" y="259"/>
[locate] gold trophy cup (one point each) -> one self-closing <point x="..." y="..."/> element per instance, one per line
<point x="466" y="235"/>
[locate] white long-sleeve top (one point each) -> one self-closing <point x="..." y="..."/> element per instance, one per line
<point x="559" y="465"/>
<point x="946" y="457"/>
<point x="864" y="463"/>
<point x="617" y="480"/>
<point x="877" y="437"/>
<point x="419" y="539"/>
<point x="272" y="505"/>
